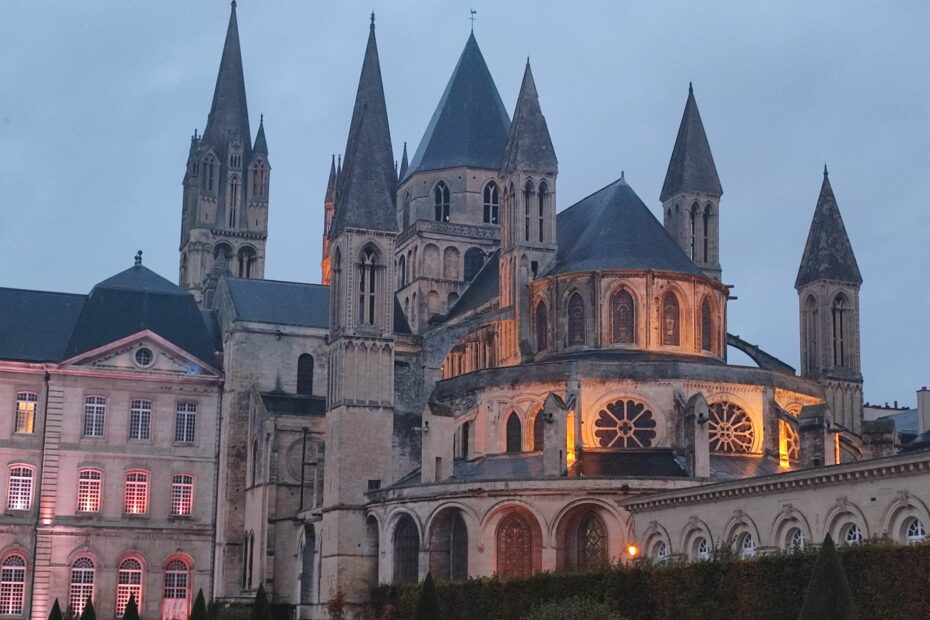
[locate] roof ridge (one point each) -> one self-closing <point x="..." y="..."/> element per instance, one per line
<point x="34" y="290"/>
<point x="271" y="280"/>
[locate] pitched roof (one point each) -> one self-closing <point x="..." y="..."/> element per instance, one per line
<point x="691" y="168"/>
<point x="529" y="145"/>
<point x="368" y="183"/>
<point x="229" y="113"/>
<point x="613" y="229"/>
<point x="484" y="287"/>
<point x="35" y="325"/>
<point x="470" y="124"/>
<point x="261" y="145"/>
<point x="828" y="254"/>
<point x="141" y="278"/>
<point x="281" y="303"/>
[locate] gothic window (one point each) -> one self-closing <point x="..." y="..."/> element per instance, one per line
<point x="514" y="433"/>
<point x="140" y="420"/>
<point x="13" y="585"/>
<point x="625" y="423"/>
<point x="258" y="180"/>
<point x="233" y="204"/>
<point x="542" y="326"/>
<point x="591" y="543"/>
<point x="308" y="561"/>
<point x="852" y="534"/>
<point x="491" y="203"/>
<point x="305" y="374"/>
<point x="406" y="210"/>
<point x="622" y="318"/>
<point x="458" y="549"/>
<point x="128" y="583"/>
<point x="450" y="263"/>
<point x="451" y="299"/>
<point x="136" y="493"/>
<point x="247" y="261"/>
<point x="914" y="531"/>
<point x="840" y="327"/>
<point x="707" y="220"/>
<point x="441" y="202"/>
<point x="701" y="549"/>
<point x="209" y="171"/>
<point x="185" y="422"/>
<point x="660" y="552"/>
<point x="90" y="485"/>
<point x="539" y="431"/>
<point x="19" y="495"/>
<point x="746" y="545"/>
<point x="402" y="269"/>
<point x="707" y="327"/>
<point x="671" y="320"/>
<point x="26" y="403"/>
<point x="730" y="428"/>
<point x="366" y="286"/>
<point x="527" y="201"/>
<point x="406" y="551"/>
<point x="576" y="320"/>
<point x="95" y="411"/>
<point x="542" y="197"/>
<point x="514" y="546"/>
<point x="794" y="541"/>
<point x="254" y="462"/>
<point x="810" y="335"/>
<point x="182" y="495"/>
<point x="474" y="261"/>
<point x="692" y="233"/>
<point x="82" y="584"/>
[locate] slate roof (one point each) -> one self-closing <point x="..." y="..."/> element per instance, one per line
<point x="470" y="124"/>
<point x="35" y="325"/>
<point x="691" y="168"/>
<point x="229" y="113"/>
<point x="261" y="144"/>
<point x="283" y="303"/>
<point x="613" y="229"/>
<point x="401" y="326"/>
<point x="483" y="288"/>
<point x="367" y="185"/>
<point x="529" y="145"/>
<point x="633" y="463"/>
<point x="828" y="254"/>
<point x="331" y="183"/>
<point x="294" y="404"/>
<point x="733" y="467"/>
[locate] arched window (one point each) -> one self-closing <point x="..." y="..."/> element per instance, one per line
<point x="692" y="234"/>
<point x="451" y="298"/>
<point x="128" y="583"/>
<point x="491" y="203"/>
<point x="406" y="210"/>
<point x="514" y="546"/>
<point x="701" y="549"/>
<point x="402" y="272"/>
<point x="622" y="318"/>
<point x="254" y="462"/>
<point x="539" y="431"/>
<point x="258" y="180"/>
<point x="441" y="202"/>
<point x="542" y="326"/>
<point x="576" y="320"/>
<point x="746" y="545"/>
<point x="26" y="403"/>
<point x="307" y="565"/>
<point x="406" y="551"/>
<point x="914" y="531"/>
<point x="671" y="320"/>
<point x="305" y="374"/>
<point x="852" y="534"/>
<point x="514" y="433"/>
<point x="660" y="552"/>
<point x="232" y="206"/>
<point x="209" y="171"/>
<point x="82" y="584"/>
<point x="247" y="262"/>
<point x="176" y="591"/>
<point x="707" y="327"/>
<point x="811" y="351"/>
<point x="450" y="263"/>
<point x="707" y="216"/>
<point x="839" y="311"/>
<point x="466" y="439"/>
<point x="458" y="549"/>
<point x="19" y="493"/>
<point x="591" y="542"/>
<point x="794" y="540"/>
<point x="542" y="196"/>
<point x="12" y="585"/>
<point x="366" y="286"/>
<point x="730" y="428"/>
<point x="474" y="261"/>
<point x="527" y="201"/>
<point x="250" y="560"/>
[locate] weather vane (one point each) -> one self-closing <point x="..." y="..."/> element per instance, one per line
<point x="473" y="12"/>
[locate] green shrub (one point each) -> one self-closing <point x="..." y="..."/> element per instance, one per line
<point x="55" y="614"/>
<point x="131" y="612"/>
<point x="575" y="607"/>
<point x="428" y="604"/>
<point x="200" y="608"/>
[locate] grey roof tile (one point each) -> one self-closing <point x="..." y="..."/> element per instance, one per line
<point x="484" y="287"/>
<point x="281" y="303"/>
<point x="229" y="113"/>
<point x="35" y="325"/>
<point x="633" y="463"/>
<point x="529" y="145"/>
<point x="691" y="167"/>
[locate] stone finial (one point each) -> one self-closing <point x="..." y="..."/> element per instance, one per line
<point x="138" y="259"/>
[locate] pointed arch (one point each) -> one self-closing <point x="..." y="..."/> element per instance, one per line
<point x="811" y="330"/>
<point x="491" y="196"/>
<point x="707" y="236"/>
<point x="514" y="433"/>
<point x="692" y="230"/>
<point x="539" y="431"/>
<point x="541" y="323"/>
<point x="541" y="197"/>
<point x="406" y="551"/>
<point x="577" y="334"/>
<point x="671" y="320"/>
<point x="517" y="542"/>
<point x="839" y="314"/>
<point x="441" y="198"/>
<point x="528" y="191"/>
<point x="622" y="317"/>
<point x="369" y="266"/>
<point x="708" y="333"/>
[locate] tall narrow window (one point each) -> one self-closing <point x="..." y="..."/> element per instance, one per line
<point x="305" y="374"/>
<point x="19" y="496"/>
<point x="406" y="213"/>
<point x="811" y="352"/>
<point x="458" y="549"/>
<point x="247" y="262"/>
<point x="839" y="331"/>
<point x="542" y="327"/>
<point x="136" y="493"/>
<point x="541" y="198"/>
<point x="707" y="327"/>
<point x="514" y="546"/>
<point x="26" y="403"/>
<point x="441" y="202"/>
<point x="402" y="272"/>
<point x="209" y="169"/>
<point x="233" y="206"/>
<point x="82" y="584"/>
<point x="128" y="583"/>
<point x="707" y="216"/>
<point x="692" y="232"/>
<point x="258" y="180"/>
<point x="527" y="201"/>
<point x="576" y="320"/>
<point x="366" y="287"/>
<point x="491" y="204"/>
<point x="466" y="432"/>
<point x="591" y="543"/>
<point x="185" y="422"/>
<point x="12" y="585"/>
<point x="95" y="411"/>
<point x="622" y="315"/>
<point x="90" y="485"/>
<point x="539" y="432"/>
<point x="514" y="433"/>
<point x="140" y="420"/>
<point x="671" y="320"/>
<point x="406" y="551"/>
<point x="182" y="495"/>
<point x="177" y="590"/>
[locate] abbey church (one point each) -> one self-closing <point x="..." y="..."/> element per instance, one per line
<point x="487" y="382"/>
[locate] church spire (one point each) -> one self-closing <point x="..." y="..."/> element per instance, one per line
<point x="261" y="145"/>
<point x="529" y="145"/>
<point x="331" y="184"/>
<point x="229" y="114"/>
<point x="691" y="168"/>
<point x="367" y="188"/>
<point x="403" y="164"/>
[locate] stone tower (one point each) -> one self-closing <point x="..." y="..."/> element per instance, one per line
<point x="360" y="395"/>
<point x="224" y="221"/>
<point x="691" y="193"/>
<point x="828" y="291"/>
<point x="329" y="210"/>
<point x="528" y="234"/>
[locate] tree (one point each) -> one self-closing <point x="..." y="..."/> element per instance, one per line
<point x="132" y="609"/>
<point x="828" y="596"/>
<point x="89" y="613"/>
<point x="55" y="614"/>
<point x="200" y="608"/>
<point x="428" y="602"/>
<point x="261" y="609"/>
<point x="575" y="607"/>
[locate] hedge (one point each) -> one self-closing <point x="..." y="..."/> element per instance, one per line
<point x="887" y="581"/>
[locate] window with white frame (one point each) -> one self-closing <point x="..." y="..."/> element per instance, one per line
<point x="795" y="540"/>
<point x="136" y="497"/>
<point x="82" y="584"/>
<point x="182" y="495"/>
<point x="20" y="493"/>
<point x="915" y="531"/>
<point x="140" y="420"/>
<point x="746" y="545"/>
<point x="26" y="403"/>
<point x="185" y="422"/>
<point x="702" y="549"/>
<point x="128" y="583"/>
<point x="95" y="413"/>
<point x="852" y="534"/>
<point x="12" y="585"/>
<point x="660" y="552"/>
<point x="177" y="580"/>
<point x="90" y="486"/>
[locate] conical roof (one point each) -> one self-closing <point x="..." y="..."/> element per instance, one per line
<point x="229" y="113"/>
<point x="404" y="164"/>
<point x="828" y="254"/>
<point x="261" y="145"/>
<point x="613" y="229"/>
<point x="331" y="184"/>
<point x="529" y="145"/>
<point x="368" y="183"/>
<point x="470" y="124"/>
<point x="691" y="168"/>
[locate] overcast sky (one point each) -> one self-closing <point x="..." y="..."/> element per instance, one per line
<point x="98" y="101"/>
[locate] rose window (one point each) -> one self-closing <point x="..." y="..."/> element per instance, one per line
<point x="625" y="424"/>
<point x="793" y="443"/>
<point x="730" y="428"/>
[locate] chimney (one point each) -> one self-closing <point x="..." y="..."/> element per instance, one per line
<point x="923" y="410"/>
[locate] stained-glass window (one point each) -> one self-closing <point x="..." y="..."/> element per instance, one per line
<point x="514" y="546"/>
<point x="12" y="585"/>
<point x="625" y="423"/>
<point x="730" y="428"/>
<point x="792" y="443"/>
<point x="514" y="433"/>
<point x="491" y="203"/>
<point x="441" y="202"/>
<point x="82" y="584"/>
<point x="128" y="583"/>
<point x="671" y="320"/>
<point x="89" y="489"/>
<point x="406" y="551"/>
<point x="542" y="327"/>
<point x="592" y="542"/>
<point x="622" y="318"/>
<point x="26" y="403"/>
<point x="707" y="327"/>
<point x="576" y="320"/>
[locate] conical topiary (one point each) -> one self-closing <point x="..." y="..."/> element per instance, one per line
<point x="132" y="609"/>
<point x="428" y="602"/>
<point x="828" y="596"/>
<point x="55" y="614"/>
<point x="200" y="608"/>
<point x="89" y="613"/>
<point x="261" y="609"/>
